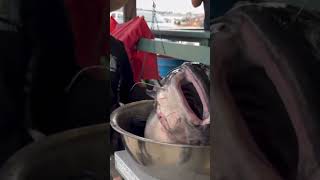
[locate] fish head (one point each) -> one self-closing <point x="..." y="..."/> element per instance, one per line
<point x="182" y="103"/>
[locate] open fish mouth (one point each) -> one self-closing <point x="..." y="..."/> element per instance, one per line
<point x="193" y="99"/>
<point x="193" y="87"/>
<point x="182" y="109"/>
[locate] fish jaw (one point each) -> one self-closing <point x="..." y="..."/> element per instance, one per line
<point x="200" y="89"/>
<point x="176" y="89"/>
<point x="175" y="121"/>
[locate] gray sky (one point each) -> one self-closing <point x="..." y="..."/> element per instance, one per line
<point x="170" y="5"/>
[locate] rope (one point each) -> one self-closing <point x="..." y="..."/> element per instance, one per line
<point x="154" y="21"/>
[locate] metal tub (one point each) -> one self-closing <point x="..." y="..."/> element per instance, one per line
<point x="160" y="160"/>
<point x="63" y="156"/>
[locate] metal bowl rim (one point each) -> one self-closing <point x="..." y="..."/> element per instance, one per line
<point x="123" y="132"/>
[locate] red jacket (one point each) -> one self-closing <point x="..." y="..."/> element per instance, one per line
<point x="113" y="24"/>
<point x="144" y="65"/>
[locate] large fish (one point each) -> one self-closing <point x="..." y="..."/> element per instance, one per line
<point x="181" y="114"/>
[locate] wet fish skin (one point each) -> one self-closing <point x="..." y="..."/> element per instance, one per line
<point x="174" y="120"/>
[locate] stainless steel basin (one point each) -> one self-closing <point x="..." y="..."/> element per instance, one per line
<point x="160" y="160"/>
<point x="65" y="156"/>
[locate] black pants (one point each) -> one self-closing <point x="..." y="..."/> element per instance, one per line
<point x="121" y="73"/>
<point x="121" y="83"/>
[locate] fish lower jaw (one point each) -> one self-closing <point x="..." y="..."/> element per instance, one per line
<point x="200" y="122"/>
<point x="205" y="121"/>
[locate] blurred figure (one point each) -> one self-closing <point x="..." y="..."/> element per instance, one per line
<point x="207" y="10"/>
<point x="212" y="11"/>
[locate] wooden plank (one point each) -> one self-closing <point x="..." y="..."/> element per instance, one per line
<point x="203" y="37"/>
<point x="175" y="50"/>
<point x="196" y="34"/>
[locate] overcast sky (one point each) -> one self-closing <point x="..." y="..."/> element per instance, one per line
<point x="170" y="5"/>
